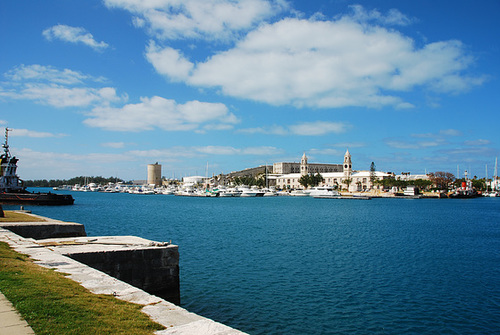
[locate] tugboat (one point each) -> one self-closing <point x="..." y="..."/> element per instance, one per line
<point x="12" y="190"/>
<point x="466" y="191"/>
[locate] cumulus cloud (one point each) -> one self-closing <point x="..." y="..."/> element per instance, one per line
<point x="323" y="64"/>
<point x="73" y="35"/>
<point x="169" y="62"/>
<point x="161" y="113"/>
<point x="58" y="88"/>
<point x="199" y="19"/>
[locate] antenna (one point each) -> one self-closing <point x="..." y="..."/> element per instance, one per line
<point x="6" y="144"/>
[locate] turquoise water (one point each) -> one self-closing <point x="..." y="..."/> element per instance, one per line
<point x="289" y="265"/>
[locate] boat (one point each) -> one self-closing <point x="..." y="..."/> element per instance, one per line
<point x="465" y="191"/>
<point x="298" y="193"/>
<point x="250" y="192"/>
<point x="323" y="191"/>
<point x="12" y="189"/>
<point x="270" y="192"/>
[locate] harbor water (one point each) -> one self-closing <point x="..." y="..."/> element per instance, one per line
<point x="298" y="265"/>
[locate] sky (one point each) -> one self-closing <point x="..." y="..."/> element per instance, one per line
<point x="106" y="87"/>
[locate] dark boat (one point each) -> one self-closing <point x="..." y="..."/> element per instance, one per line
<point x="12" y="190"/>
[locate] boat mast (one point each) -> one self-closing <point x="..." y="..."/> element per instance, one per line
<point x="495" y="172"/>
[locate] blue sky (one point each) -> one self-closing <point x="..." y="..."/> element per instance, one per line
<point x="107" y="87"/>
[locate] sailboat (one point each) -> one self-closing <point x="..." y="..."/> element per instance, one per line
<point x="495" y="182"/>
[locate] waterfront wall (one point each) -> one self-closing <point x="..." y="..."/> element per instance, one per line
<point x="42" y="230"/>
<point x="175" y="319"/>
<point x="151" y="266"/>
<point x="153" y="269"/>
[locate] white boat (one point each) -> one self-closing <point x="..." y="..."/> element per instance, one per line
<point x="299" y="193"/>
<point x="250" y="192"/>
<point x="270" y="193"/>
<point x="229" y="192"/>
<point x="323" y="192"/>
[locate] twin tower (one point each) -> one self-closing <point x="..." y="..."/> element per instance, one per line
<point x="347" y="166"/>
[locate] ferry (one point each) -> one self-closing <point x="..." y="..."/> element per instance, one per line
<point x="12" y="190"/>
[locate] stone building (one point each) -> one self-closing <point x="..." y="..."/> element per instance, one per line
<point x="341" y="176"/>
<point x="287" y="168"/>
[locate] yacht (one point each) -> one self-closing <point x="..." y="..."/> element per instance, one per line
<point x="324" y="192"/>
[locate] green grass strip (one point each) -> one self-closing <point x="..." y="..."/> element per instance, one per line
<point x="11" y="216"/>
<point x="53" y="304"/>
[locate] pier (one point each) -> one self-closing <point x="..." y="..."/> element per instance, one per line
<point x="128" y="267"/>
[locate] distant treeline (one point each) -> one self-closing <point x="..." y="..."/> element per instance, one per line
<point x="77" y="180"/>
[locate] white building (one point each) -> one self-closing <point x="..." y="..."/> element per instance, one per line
<point x="357" y="180"/>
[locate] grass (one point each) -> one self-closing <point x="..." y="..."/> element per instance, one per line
<point x="53" y="304"/>
<point x="11" y="216"/>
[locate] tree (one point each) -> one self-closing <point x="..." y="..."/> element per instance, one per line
<point x="348" y="182"/>
<point x="441" y="179"/>
<point x="304" y="180"/>
<point x="373" y="176"/>
<point x="311" y="180"/>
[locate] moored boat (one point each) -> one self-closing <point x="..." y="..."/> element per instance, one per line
<point x="323" y="191"/>
<point x="12" y="189"/>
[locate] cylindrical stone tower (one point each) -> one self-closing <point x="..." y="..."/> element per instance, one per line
<point x="154" y="174"/>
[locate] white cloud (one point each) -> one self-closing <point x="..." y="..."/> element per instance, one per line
<point x="477" y="142"/>
<point x="158" y="112"/>
<point x="59" y="88"/>
<point x="169" y="62"/>
<point x="211" y="150"/>
<point x="200" y="19"/>
<point x="325" y="64"/>
<point x="60" y="96"/>
<point x="270" y="130"/>
<point x="393" y="17"/>
<point x="66" y="165"/>
<point x="32" y="133"/>
<point x="450" y="132"/>
<point x="41" y="73"/>
<point x="317" y="128"/>
<point x="73" y="35"/>
<point x="114" y="145"/>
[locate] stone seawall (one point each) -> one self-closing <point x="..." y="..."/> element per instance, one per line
<point x="123" y="266"/>
<point x="148" y="265"/>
